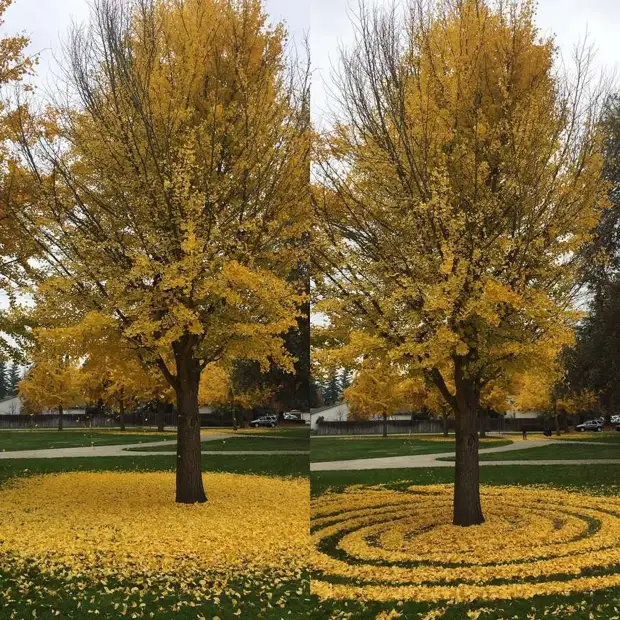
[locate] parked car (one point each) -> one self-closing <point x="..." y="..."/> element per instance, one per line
<point x="268" y="421"/>
<point x="294" y="414"/>
<point x="615" y="419"/>
<point x="590" y="425"/>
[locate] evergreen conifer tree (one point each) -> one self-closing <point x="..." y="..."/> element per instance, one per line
<point x="3" y="381"/>
<point x="13" y="379"/>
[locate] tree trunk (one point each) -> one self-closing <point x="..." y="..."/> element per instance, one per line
<point x="60" y="420"/>
<point x="161" y="416"/>
<point x="121" y="413"/>
<point x="467" y="506"/>
<point x="445" y="426"/>
<point x="557" y="424"/>
<point x="385" y="434"/>
<point x="234" y="417"/>
<point x="189" y="486"/>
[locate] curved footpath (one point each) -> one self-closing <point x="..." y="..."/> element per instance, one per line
<point x="433" y="460"/>
<point x="126" y="450"/>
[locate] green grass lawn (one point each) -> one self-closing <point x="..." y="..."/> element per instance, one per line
<point x="605" y="437"/>
<point x="246" y="442"/>
<point x="596" y="478"/>
<point x="342" y="449"/>
<point x="284" y="465"/>
<point x="11" y="440"/>
<point x="301" y="431"/>
<point x="26" y="590"/>
<point x="574" y="451"/>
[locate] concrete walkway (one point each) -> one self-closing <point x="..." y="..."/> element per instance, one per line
<point x="432" y="460"/>
<point x="126" y="450"/>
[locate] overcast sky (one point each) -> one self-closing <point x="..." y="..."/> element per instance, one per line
<point x="328" y="22"/>
<point x="568" y="20"/>
<point x="47" y="22"/>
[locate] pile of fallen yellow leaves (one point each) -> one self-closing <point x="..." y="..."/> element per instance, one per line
<point x="111" y="527"/>
<point x="380" y="544"/>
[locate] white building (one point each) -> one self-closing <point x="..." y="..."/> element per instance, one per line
<point x="11" y="405"/>
<point x="331" y="413"/>
<point x="522" y="415"/>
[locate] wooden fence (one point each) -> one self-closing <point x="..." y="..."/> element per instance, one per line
<point x="102" y="420"/>
<point x="413" y="427"/>
<point x="375" y="427"/>
<point x="69" y="420"/>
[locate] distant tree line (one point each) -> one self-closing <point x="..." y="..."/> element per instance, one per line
<point x="331" y="388"/>
<point x="10" y="376"/>
<point x="593" y="363"/>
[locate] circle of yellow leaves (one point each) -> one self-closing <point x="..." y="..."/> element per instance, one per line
<point x="127" y="526"/>
<point x="378" y="544"/>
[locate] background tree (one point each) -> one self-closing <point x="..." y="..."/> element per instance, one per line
<point x="15" y="248"/>
<point x="223" y="387"/>
<point x="53" y="382"/>
<point x="13" y="379"/>
<point x="382" y="391"/>
<point x="344" y="380"/>
<point x="461" y="177"/>
<point x="111" y="369"/>
<point x="593" y="364"/>
<point x="4" y="385"/>
<point x="168" y="192"/>
<point x="331" y="389"/>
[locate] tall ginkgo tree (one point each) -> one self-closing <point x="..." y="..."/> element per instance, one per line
<point x="381" y="390"/>
<point x="15" y="248"/>
<point x="460" y="178"/>
<point x="169" y="192"/>
<point x="53" y="382"/>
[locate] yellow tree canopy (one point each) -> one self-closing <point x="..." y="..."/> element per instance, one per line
<point x="580" y="402"/>
<point x="15" y="248"/>
<point x="462" y="178"/>
<point x="381" y="391"/>
<point x="52" y="382"/>
<point x="217" y="389"/>
<point x="111" y="368"/>
<point x="179" y="206"/>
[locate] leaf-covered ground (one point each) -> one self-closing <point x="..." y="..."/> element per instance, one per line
<point x="117" y="504"/>
<point x="124" y="532"/>
<point x="53" y="573"/>
<point x="542" y="525"/>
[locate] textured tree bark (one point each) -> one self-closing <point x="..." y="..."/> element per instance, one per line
<point x="467" y="506"/>
<point x="385" y="433"/>
<point x="121" y="413"/>
<point x="161" y="414"/>
<point x="445" y="426"/>
<point x="60" y="418"/>
<point x="189" y="486"/>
